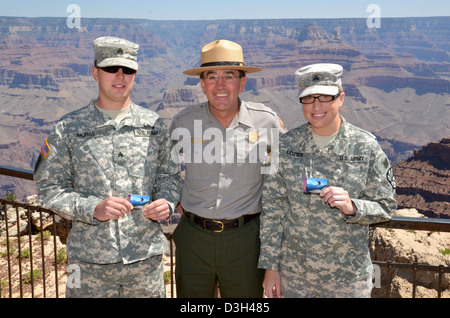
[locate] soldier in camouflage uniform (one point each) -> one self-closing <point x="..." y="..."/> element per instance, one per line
<point x="91" y="161"/>
<point x="315" y="244"/>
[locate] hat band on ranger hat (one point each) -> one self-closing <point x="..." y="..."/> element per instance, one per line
<point x="222" y="64"/>
<point x="211" y="66"/>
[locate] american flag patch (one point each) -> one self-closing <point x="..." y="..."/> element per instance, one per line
<point x="45" y="149"/>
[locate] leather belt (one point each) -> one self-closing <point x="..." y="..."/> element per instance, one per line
<point x="220" y="225"/>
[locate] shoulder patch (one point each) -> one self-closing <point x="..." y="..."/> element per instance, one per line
<point x="391" y="178"/>
<point x="45" y="149"/>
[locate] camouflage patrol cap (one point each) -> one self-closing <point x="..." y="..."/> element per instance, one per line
<point x="321" y="78"/>
<point x="113" y="51"/>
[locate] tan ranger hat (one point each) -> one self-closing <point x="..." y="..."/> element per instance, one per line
<point x="222" y="55"/>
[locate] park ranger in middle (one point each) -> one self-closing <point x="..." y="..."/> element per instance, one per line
<point x="225" y="143"/>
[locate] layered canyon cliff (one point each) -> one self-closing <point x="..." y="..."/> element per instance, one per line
<point x="396" y="77"/>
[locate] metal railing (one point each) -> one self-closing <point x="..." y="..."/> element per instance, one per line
<point x="30" y="277"/>
<point x="25" y="258"/>
<point x="417" y="224"/>
<point x="34" y="273"/>
<point x="405" y="223"/>
<point x="16" y="172"/>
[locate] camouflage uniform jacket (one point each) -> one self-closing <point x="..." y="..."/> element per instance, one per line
<point x="302" y="234"/>
<point x="90" y="158"/>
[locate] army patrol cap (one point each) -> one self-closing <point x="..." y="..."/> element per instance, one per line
<point x="113" y="51"/>
<point x="321" y="78"/>
<point x="222" y="55"/>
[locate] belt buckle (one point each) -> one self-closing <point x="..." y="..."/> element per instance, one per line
<point x="221" y="223"/>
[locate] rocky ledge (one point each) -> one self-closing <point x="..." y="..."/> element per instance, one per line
<point x="398" y="246"/>
<point x="423" y="181"/>
<point x="407" y="246"/>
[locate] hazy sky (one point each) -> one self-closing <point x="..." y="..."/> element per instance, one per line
<point x="224" y="9"/>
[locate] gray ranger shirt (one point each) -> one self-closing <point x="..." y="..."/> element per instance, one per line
<point x="224" y="166"/>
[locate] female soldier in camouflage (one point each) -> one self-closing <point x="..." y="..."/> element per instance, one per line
<point x="315" y="244"/>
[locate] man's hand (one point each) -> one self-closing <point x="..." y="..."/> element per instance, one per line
<point x="158" y="210"/>
<point x="112" y="208"/>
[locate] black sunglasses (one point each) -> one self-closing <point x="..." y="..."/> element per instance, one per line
<point x="115" y="69"/>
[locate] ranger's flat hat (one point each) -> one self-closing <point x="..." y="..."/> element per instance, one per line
<point x="321" y="78"/>
<point x="222" y="55"/>
<point x="113" y="51"/>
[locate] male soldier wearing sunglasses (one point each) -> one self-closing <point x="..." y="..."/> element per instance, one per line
<point x="91" y="161"/>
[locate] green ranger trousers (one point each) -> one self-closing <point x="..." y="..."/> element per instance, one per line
<point x="207" y="259"/>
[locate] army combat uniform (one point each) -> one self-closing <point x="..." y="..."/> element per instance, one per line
<point x="319" y="251"/>
<point x="89" y="157"/>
